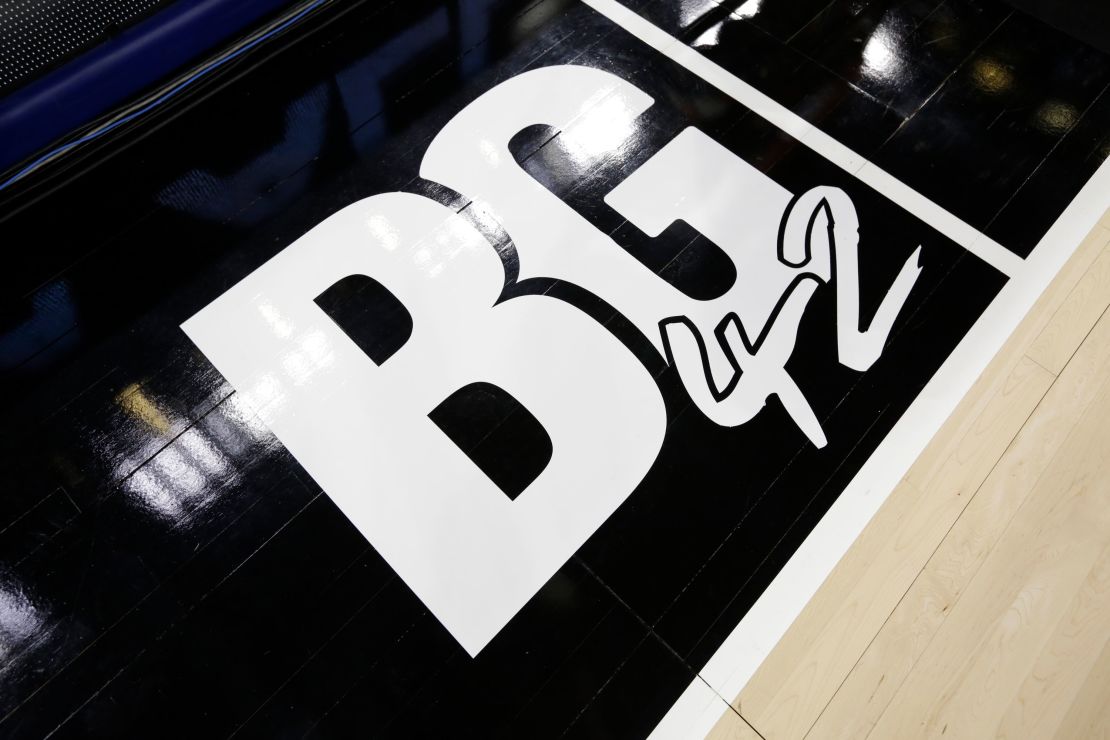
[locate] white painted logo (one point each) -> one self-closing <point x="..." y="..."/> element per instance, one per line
<point x="362" y="430"/>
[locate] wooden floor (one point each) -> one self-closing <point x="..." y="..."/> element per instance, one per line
<point x="976" y="604"/>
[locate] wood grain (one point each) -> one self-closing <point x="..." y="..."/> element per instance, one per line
<point x="1054" y="346"/>
<point x="960" y="610"/>
<point x="989" y="642"/>
<point x="925" y="606"/>
<point x="732" y="727"/>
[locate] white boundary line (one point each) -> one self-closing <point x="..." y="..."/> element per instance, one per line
<point x="764" y="625"/>
<point x="730" y="668"/>
<point x="895" y="190"/>
<point x="694" y="714"/>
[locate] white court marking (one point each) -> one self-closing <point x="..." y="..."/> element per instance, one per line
<point x="473" y="555"/>
<point x="752" y="640"/>
<point x="894" y="189"/>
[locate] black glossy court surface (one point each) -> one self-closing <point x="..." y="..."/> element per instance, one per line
<point x="168" y="568"/>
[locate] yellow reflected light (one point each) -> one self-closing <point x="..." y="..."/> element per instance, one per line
<point x="1056" y="116"/>
<point x="132" y="400"/>
<point x="991" y="76"/>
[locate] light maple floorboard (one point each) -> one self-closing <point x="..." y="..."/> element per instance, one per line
<point x="977" y="601"/>
<point x="732" y="727"/>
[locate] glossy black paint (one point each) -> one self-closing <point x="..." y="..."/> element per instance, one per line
<point x="484" y="421"/>
<point x="166" y="564"/>
<point x="966" y="101"/>
<point x="1087" y="20"/>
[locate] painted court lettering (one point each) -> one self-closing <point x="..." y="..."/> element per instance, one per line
<point x="474" y="556"/>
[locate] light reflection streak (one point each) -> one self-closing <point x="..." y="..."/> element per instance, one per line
<point x="490" y="152"/>
<point x="21" y="622"/>
<point x="238" y="427"/>
<point x="711" y="35"/>
<point x="278" y="324"/>
<point x="880" y="55"/>
<point x="312" y="356"/>
<point x="600" y="131"/>
<point x="265" y="391"/>
<point x="181" y="478"/>
<point x="748" y="10"/>
<point x="691" y="11"/>
<point x="192" y="471"/>
<point x="383" y="232"/>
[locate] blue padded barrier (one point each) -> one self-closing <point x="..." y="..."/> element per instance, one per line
<point x="117" y="70"/>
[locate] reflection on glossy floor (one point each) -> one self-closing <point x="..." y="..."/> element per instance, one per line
<point x="977" y="603"/>
<point x="167" y="562"/>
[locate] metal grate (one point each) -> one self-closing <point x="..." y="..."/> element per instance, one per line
<point x="36" y="35"/>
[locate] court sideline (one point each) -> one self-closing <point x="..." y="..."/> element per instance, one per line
<point x="977" y="602"/>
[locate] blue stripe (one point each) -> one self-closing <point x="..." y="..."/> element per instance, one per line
<point x="117" y="70"/>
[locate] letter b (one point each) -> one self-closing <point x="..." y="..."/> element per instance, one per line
<point x="362" y="430"/>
